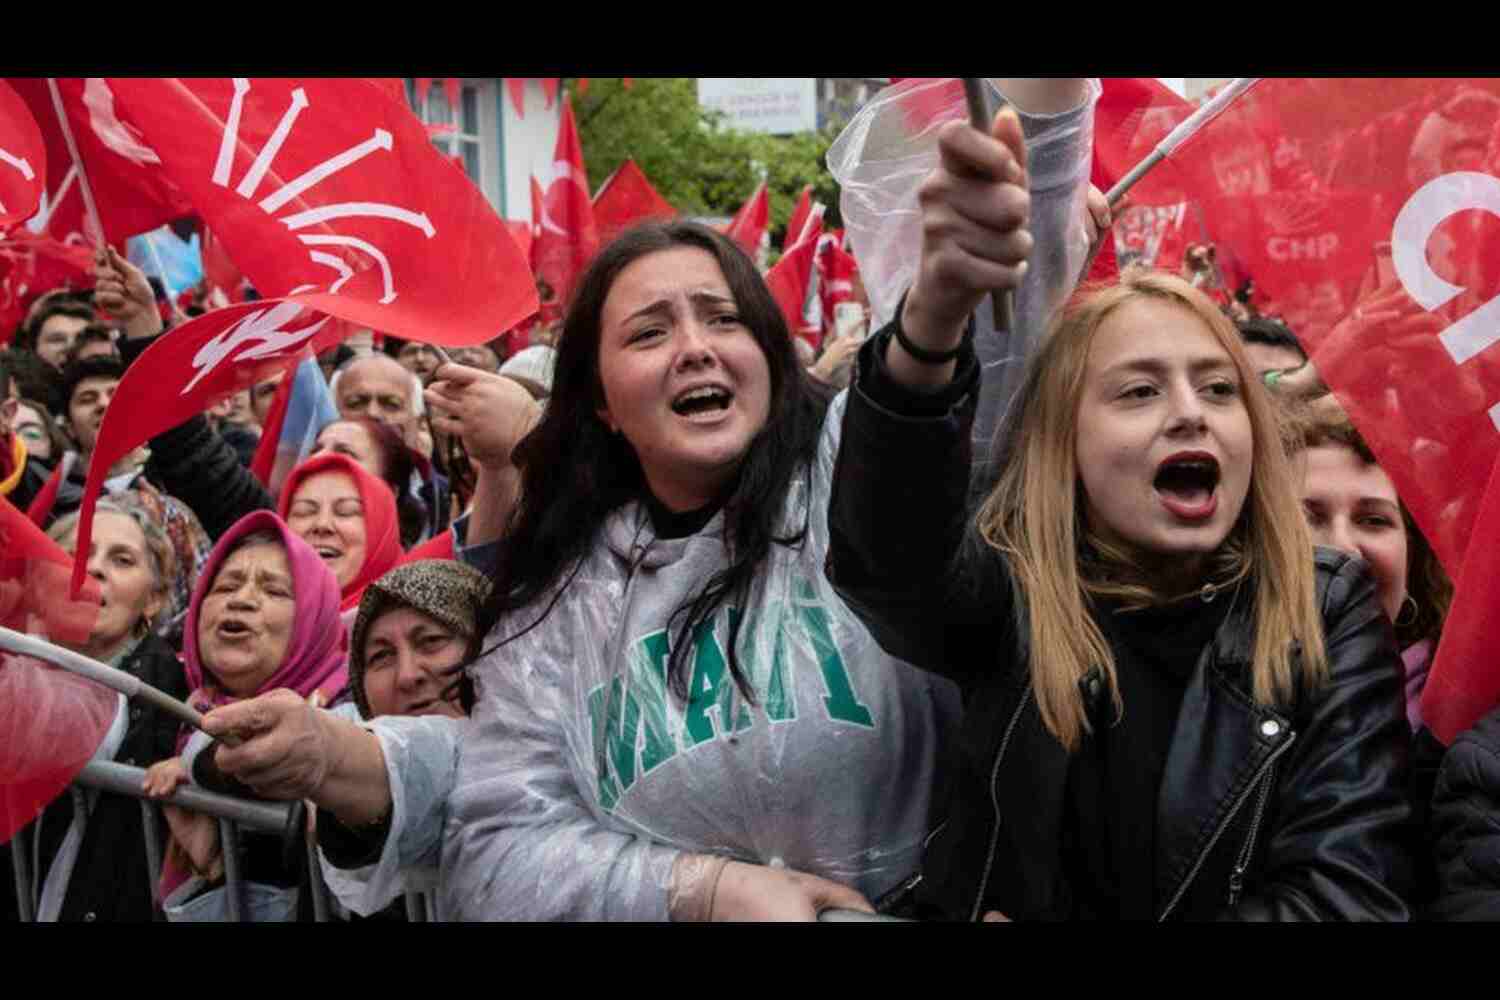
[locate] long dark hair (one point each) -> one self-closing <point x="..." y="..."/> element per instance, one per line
<point x="574" y="471"/>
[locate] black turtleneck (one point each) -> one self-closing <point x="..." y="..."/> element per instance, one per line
<point x="670" y="524"/>
<point x="1109" y="830"/>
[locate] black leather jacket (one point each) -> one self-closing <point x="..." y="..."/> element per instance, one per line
<point x="1281" y="815"/>
<point x="1466" y="825"/>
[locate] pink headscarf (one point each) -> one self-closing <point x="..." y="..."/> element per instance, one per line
<point x="318" y="654"/>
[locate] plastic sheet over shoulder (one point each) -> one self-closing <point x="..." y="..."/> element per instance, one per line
<point x="883" y="155"/>
<point x="582" y="777"/>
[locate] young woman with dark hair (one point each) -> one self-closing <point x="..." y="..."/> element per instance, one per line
<point x="674" y="716"/>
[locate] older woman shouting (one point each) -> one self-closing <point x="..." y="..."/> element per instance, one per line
<point x="265" y="616"/>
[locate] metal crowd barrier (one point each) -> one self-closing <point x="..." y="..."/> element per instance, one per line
<point x="235" y="814"/>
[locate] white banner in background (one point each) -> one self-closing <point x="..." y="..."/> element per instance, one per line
<point x="756" y="104"/>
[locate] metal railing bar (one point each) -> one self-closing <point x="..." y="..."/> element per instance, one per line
<point x="151" y="831"/>
<point x="233" y="887"/>
<point x="263" y="817"/>
<point x="21" y="869"/>
<point x="315" y="880"/>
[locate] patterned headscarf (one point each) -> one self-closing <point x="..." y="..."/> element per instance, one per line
<point x="450" y="593"/>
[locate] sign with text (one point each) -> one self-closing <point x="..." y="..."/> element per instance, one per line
<point x="757" y="104"/>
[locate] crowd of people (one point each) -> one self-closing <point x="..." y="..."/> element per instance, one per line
<point x="660" y="618"/>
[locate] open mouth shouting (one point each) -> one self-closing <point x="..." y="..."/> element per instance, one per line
<point x="233" y="630"/>
<point x="1187" y="484"/>
<point x="704" y="403"/>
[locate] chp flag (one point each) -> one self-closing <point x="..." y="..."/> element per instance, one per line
<point x="336" y="206"/>
<point x="23" y="160"/>
<point x="1369" y="212"/>
<point x="114" y="177"/>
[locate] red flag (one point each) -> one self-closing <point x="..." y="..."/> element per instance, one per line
<point x="51" y="722"/>
<point x="568" y="239"/>
<point x="327" y="187"/>
<point x="549" y="88"/>
<point x="930" y="101"/>
<point x="627" y="82"/>
<point x="839" y="271"/>
<point x="453" y="88"/>
<point x="1464" y="683"/>
<point x="516" y="87"/>
<point x="790" y="282"/>
<point x="583" y="85"/>
<point x="798" y="220"/>
<point x="122" y="170"/>
<point x="393" y="86"/>
<point x="1405" y="338"/>
<point x="31" y="266"/>
<point x="422" y="85"/>
<point x="748" y="227"/>
<point x="219" y="270"/>
<point x="626" y="198"/>
<point x="23" y="160"/>
<point x="357" y="194"/>
<point x="521" y="233"/>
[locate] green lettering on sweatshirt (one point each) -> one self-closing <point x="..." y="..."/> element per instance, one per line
<point x="842" y="702"/>
<point x="712" y="686"/>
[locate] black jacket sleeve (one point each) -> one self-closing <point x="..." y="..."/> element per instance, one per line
<point x="1466" y="825"/>
<point x="1340" y="848"/>
<point x="898" y="553"/>
<point x="201" y="469"/>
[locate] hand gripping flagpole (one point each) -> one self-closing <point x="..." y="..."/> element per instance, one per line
<point x="83" y="178"/>
<point x="1002" y="303"/>
<point x="116" y="680"/>
<point x="1182" y="133"/>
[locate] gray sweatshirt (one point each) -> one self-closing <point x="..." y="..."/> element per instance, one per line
<point x="580" y="779"/>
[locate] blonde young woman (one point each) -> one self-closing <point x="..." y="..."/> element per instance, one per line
<point x="1174" y="708"/>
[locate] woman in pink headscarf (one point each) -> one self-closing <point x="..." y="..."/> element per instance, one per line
<point x="265" y="616"/>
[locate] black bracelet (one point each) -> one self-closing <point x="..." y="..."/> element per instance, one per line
<point x="923" y="355"/>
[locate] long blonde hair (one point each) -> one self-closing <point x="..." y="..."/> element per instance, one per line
<point x="1034" y="517"/>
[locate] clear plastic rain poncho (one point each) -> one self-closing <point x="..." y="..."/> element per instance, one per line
<point x="580" y="779"/>
<point x="881" y="159"/>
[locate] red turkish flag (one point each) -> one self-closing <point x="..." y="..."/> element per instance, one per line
<point x="129" y="190"/>
<point x="549" y="88"/>
<point x="789" y="280"/>
<point x="625" y="199"/>
<point x="31" y="266"/>
<point x="839" y="270"/>
<point x="335" y="204"/>
<point x="568" y="239"/>
<point x="748" y="227"/>
<point x="516" y="87"/>
<point x="798" y="220"/>
<point x="23" y="160"/>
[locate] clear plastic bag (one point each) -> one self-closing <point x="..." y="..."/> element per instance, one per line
<point x="883" y="155"/>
